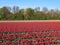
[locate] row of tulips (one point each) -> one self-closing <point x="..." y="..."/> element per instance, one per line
<point x="28" y="26"/>
<point x="35" y="33"/>
<point x="29" y="38"/>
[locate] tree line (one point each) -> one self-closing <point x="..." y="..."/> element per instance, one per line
<point x="15" y="13"/>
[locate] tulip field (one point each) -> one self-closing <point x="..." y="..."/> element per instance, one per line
<point x="29" y="33"/>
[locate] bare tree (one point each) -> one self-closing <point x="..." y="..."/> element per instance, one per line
<point x="15" y="9"/>
<point x="45" y="10"/>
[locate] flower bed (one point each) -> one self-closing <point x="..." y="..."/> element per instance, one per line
<point x="29" y="33"/>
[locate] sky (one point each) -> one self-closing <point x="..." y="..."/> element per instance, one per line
<point x="50" y="4"/>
